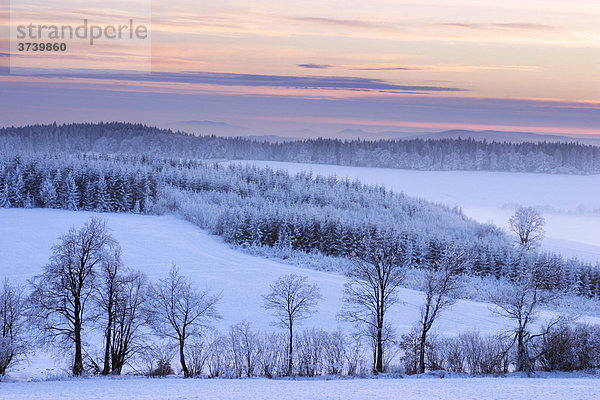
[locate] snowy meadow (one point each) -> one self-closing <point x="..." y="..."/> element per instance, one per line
<point x="153" y="243"/>
<point x="508" y="388"/>
<point x="300" y="278"/>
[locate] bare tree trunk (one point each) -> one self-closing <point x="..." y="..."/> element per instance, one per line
<point x="78" y="362"/>
<point x="5" y="364"/>
<point x="379" y="362"/>
<point x="111" y="269"/>
<point x="249" y="367"/>
<point x="422" y="342"/>
<point x="291" y="352"/>
<point x="117" y="368"/>
<point x="423" y="338"/>
<point x="118" y="357"/>
<point x="186" y="372"/>
<point x="522" y="355"/>
<point x="107" y="368"/>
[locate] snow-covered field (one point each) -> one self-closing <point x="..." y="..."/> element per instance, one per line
<point x="263" y="389"/>
<point x="570" y="203"/>
<point x="153" y="243"/>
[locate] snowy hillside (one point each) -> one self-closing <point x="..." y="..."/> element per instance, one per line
<point x="571" y="204"/>
<point x="152" y="243"/>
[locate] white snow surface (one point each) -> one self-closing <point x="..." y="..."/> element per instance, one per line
<point x="512" y="388"/>
<point x="570" y="203"/>
<point x="153" y="243"/>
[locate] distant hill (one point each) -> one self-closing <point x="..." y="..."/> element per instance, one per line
<point x="202" y="128"/>
<point x="208" y="128"/>
<point x="456" y="150"/>
<point x="224" y="129"/>
<point x="503" y="136"/>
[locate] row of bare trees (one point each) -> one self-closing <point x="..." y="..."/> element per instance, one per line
<point x="86" y="287"/>
<point x="565" y="347"/>
<point x="372" y="289"/>
<point x="244" y="352"/>
<point x="63" y="292"/>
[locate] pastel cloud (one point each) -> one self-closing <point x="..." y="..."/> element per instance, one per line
<point x="96" y="99"/>
<point x="251" y="80"/>
<point x="519" y="26"/>
<point x="455" y="62"/>
<point x="314" y="66"/>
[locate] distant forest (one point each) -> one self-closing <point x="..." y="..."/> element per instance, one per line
<point x="419" y="154"/>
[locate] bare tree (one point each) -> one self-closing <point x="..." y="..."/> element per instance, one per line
<point x="354" y="354"/>
<point x="334" y="352"/>
<point x="441" y="281"/>
<point x="371" y="290"/>
<point x="520" y="303"/>
<point x="12" y="325"/>
<point x="197" y="354"/>
<point x="178" y="311"/>
<point x="218" y="360"/>
<point x="244" y="346"/>
<point x="272" y="349"/>
<point x="528" y="224"/>
<point x="107" y="297"/>
<point x="129" y="300"/>
<point x="60" y="295"/>
<point x="292" y="299"/>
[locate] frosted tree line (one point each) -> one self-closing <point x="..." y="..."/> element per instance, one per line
<point x="251" y="206"/>
<point x="89" y="306"/>
<point x="49" y="184"/>
<point x="448" y="154"/>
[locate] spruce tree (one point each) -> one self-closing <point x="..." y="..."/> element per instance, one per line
<point x="89" y="196"/>
<point x="102" y="199"/>
<point x="5" y="196"/>
<point x="17" y="189"/>
<point x="72" y="193"/>
<point x="48" y="195"/>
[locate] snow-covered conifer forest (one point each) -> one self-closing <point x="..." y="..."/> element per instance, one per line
<point x="129" y="250"/>
<point x="419" y="154"/>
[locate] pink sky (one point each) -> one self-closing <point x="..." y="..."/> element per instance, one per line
<point x="529" y="65"/>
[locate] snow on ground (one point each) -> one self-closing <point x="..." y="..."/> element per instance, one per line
<point x="357" y="389"/>
<point x="152" y="243"/>
<point x="570" y="203"/>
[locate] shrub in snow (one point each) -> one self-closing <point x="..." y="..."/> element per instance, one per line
<point x="13" y="342"/>
<point x="569" y="348"/>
